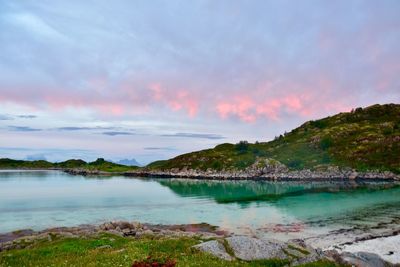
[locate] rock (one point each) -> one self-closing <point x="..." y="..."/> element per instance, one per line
<point x="107" y="226"/>
<point x="124" y="225"/>
<point x="363" y="259"/>
<point x="248" y="248"/>
<point x="128" y="232"/>
<point x="144" y="233"/>
<point x="215" y="248"/>
<point x="148" y="232"/>
<point x="104" y="247"/>
<point x="353" y="175"/>
<point x="115" y="232"/>
<point x="135" y="225"/>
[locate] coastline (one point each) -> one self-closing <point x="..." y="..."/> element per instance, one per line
<point x="342" y="247"/>
<point x="335" y="174"/>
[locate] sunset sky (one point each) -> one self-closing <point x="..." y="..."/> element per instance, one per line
<point x="153" y="79"/>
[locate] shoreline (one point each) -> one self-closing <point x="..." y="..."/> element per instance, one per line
<point x="335" y="246"/>
<point x="303" y="175"/>
<point x="298" y="175"/>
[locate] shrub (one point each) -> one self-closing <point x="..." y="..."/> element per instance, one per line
<point x="150" y="262"/>
<point x="326" y="143"/>
<point x="216" y="165"/>
<point x="242" y="146"/>
<point x="295" y="164"/>
<point x="321" y="124"/>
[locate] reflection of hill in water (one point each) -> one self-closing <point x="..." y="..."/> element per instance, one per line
<point x="318" y="202"/>
<point x="249" y="191"/>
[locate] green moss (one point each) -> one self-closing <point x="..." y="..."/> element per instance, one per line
<point x="227" y="247"/>
<point x="301" y="250"/>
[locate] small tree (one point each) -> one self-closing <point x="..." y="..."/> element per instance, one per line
<point x="242" y="146"/>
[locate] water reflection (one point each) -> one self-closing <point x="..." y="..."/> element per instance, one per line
<point x="250" y="191"/>
<point x="50" y="198"/>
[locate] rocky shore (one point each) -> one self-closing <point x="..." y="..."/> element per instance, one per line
<point x="232" y="247"/>
<point x="253" y="173"/>
<point x="24" y="238"/>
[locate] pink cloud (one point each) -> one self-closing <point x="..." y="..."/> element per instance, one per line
<point x="175" y="99"/>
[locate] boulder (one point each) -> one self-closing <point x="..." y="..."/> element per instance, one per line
<point x="215" y="248"/>
<point x="363" y="259"/>
<point x="248" y="248"/>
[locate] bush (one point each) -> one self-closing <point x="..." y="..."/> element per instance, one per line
<point x="326" y="143"/>
<point x="242" y="146"/>
<point x="216" y="165"/>
<point x="321" y="124"/>
<point x="150" y="262"/>
<point x="295" y="164"/>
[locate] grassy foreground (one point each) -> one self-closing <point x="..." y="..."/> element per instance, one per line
<point x="111" y="250"/>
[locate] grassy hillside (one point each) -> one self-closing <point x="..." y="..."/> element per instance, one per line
<point x="98" y="165"/>
<point x="366" y="138"/>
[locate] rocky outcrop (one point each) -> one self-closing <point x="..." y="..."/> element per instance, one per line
<point x="363" y="259"/>
<point x="249" y="249"/>
<point x="262" y="169"/>
<point x="268" y="171"/>
<point x="215" y="248"/>
<point x="26" y="238"/>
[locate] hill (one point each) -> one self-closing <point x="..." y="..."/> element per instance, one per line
<point x="98" y="165"/>
<point x="363" y="139"/>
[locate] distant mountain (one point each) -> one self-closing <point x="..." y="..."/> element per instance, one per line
<point x="128" y="162"/>
<point x="363" y="139"/>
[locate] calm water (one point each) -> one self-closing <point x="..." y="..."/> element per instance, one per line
<point x="42" y="199"/>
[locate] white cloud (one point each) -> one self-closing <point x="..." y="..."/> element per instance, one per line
<point x="36" y="26"/>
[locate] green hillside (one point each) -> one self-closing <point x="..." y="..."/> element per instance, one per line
<point x="364" y="139"/>
<point x="98" y="165"/>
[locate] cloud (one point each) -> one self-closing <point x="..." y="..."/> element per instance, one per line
<point x="36" y="157"/>
<point x="35" y="25"/>
<point x="27" y="116"/>
<point x="160" y="148"/>
<point x="52" y="154"/>
<point x="115" y="133"/>
<point x="76" y="128"/>
<point x="73" y="128"/>
<point x="195" y="135"/>
<point x="5" y="118"/>
<point x="23" y="129"/>
<point x="245" y="72"/>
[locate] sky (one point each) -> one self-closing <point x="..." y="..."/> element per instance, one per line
<point x="154" y="79"/>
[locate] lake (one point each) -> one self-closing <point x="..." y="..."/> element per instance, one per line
<point x="42" y="199"/>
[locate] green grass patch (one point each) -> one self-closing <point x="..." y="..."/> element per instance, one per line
<point x="109" y="250"/>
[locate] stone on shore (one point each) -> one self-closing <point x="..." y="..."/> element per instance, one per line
<point x="363" y="259"/>
<point x="244" y="248"/>
<point x="215" y="248"/>
<point x="249" y="248"/>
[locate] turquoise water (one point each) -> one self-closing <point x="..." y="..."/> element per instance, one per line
<point x="42" y="199"/>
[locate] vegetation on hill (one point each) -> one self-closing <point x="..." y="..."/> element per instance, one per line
<point x="98" y="165"/>
<point x="363" y="139"/>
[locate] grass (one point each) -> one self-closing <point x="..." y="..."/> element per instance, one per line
<point x="110" y="250"/>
